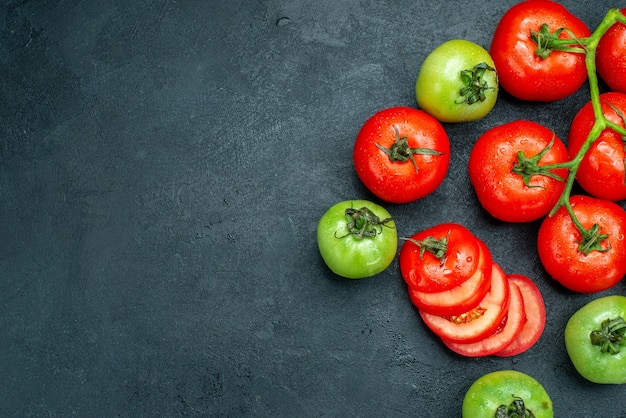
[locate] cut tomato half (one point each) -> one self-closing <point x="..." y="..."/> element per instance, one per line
<point x="535" y="321"/>
<point x="461" y="298"/>
<point x="479" y="322"/>
<point x="504" y="335"/>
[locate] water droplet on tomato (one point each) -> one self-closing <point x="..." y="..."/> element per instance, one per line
<point x="469" y="259"/>
<point x="620" y="237"/>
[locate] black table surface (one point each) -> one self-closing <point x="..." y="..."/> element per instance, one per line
<point x="163" y="166"/>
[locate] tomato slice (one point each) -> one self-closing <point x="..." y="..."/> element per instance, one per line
<point x="463" y="297"/>
<point x="535" y="321"/>
<point x="511" y="326"/>
<point x="439" y="258"/>
<point x="479" y="322"/>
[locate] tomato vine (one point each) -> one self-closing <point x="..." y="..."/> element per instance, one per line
<point x="546" y="43"/>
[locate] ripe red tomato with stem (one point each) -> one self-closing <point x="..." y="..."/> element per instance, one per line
<point x="439" y="258"/>
<point x="535" y="317"/>
<point x="602" y="169"/>
<point x="535" y="53"/>
<point x="507" y="170"/>
<point x="447" y="269"/>
<point x="479" y="322"/>
<point x="583" y="245"/>
<point x="610" y="55"/>
<point x="461" y="298"/>
<point x="401" y="154"/>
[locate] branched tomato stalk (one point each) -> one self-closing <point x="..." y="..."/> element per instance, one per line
<point x="546" y="43"/>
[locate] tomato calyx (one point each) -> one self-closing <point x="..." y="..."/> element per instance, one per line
<point x="592" y="240"/>
<point x="474" y="84"/>
<point x="547" y="41"/>
<point x="528" y="167"/>
<point x="400" y="151"/>
<point x="611" y="336"/>
<point x="363" y="223"/>
<point x="437" y="247"/>
<point x="516" y="409"/>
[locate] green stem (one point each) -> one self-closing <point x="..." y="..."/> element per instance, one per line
<point x="588" y="47"/>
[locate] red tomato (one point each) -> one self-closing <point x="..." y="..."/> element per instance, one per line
<point x="439" y="258"/>
<point x="559" y="242"/>
<point x="461" y="298"/>
<point x="401" y="154"/>
<point x="601" y="171"/>
<point x="495" y="342"/>
<point x="611" y="57"/>
<point x="481" y="321"/>
<point x="504" y="181"/>
<point x="521" y="71"/>
<point x="446" y="285"/>
<point x="535" y="317"/>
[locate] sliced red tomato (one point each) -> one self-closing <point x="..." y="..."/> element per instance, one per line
<point x="479" y="322"/>
<point x="503" y="336"/>
<point x="461" y="298"/>
<point x="439" y="258"/>
<point x="535" y="313"/>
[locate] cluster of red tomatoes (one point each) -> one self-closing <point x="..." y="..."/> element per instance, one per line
<point x="521" y="172"/>
<point x="466" y="298"/>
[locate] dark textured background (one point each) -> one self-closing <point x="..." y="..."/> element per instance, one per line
<point x="163" y="165"/>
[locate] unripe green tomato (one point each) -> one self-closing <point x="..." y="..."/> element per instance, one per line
<point x="601" y="359"/>
<point x="507" y="389"/>
<point x="357" y="238"/>
<point x="457" y="82"/>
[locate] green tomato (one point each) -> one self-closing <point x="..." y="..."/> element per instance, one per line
<point x="357" y="238"/>
<point x="457" y="82"/>
<point x="595" y="340"/>
<point x="505" y="393"/>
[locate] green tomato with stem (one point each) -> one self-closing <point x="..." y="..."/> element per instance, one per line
<point x="457" y="82"/>
<point x="504" y="394"/>
<point x="595" y="339"/>
<point x="357" y="238"/>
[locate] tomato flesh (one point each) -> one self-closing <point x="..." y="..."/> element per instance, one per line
<point x="535" y="317"/>
<point x="481" y="321"/>
<point x="503" y="336"/>
<point x="462" y="297"/>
